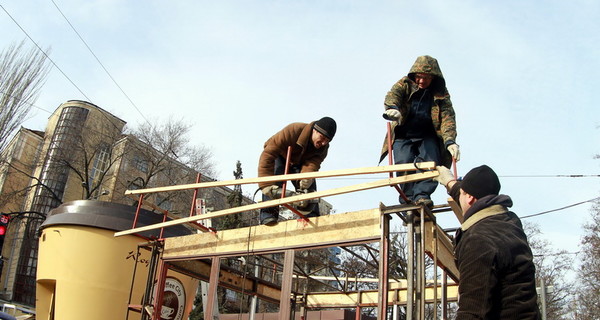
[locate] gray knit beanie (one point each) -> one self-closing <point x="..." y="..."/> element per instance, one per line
<point x="326" y="126"/>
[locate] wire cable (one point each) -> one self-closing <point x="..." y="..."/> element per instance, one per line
<point x="566" y="207"/>
<point x="556" y="254"/>
<point x="99" y="62"/>
<point x="555" y="176"/>
<point x="27" y="102"/>
<point x="45" y="54"/>
<point x="103" y="113"/>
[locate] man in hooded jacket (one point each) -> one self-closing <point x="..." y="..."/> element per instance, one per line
<point x="423" y="124"/>
<point x="494" y="259"/>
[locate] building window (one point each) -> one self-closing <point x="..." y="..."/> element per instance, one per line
<point x="140" y="163"/>
<point x="101" y="164"/>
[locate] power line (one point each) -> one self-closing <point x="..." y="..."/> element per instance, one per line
<point x="556" y="254"/>
<point x="43" y="52"/>
<point x="566" y="207"/>
<point x="57" y="67"/>
<point x="555" y="176"/>
<point x="27" y="102"/>
<point x="99" y="62"/>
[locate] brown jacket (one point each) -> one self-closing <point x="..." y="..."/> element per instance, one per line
<point x="297" y="135"/>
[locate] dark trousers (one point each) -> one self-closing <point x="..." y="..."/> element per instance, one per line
<point x="406" y="151"/>
<point x="278" y="169"/>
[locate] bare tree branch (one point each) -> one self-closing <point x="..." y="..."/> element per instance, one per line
<point x="22" y="75"/>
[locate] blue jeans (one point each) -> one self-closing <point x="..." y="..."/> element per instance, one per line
<point x="279" y="168"/>
<point x="405" y="151"/>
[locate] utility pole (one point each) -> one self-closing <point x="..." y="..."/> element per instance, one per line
<point x="543" y="295"/>
<point x="543" y="291"/>
<point x="201" y="209"/>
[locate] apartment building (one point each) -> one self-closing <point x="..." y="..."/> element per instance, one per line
<point x="82" y="154"/>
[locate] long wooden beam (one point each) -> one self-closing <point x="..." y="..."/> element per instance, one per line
<point x="369" y="298"/>
<point x="327" y="230"/>
<point x="276" y="202"/>
<point x="296" y="176"/>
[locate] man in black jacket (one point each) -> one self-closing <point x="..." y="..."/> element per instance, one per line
<point x="497" y="274"/>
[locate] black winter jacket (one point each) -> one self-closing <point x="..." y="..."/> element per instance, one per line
<point x="495" y="262"/>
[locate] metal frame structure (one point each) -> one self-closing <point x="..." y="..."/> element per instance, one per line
<point x="200" y="255"/>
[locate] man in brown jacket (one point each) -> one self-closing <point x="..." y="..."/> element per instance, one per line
<point x="309" y="144"/>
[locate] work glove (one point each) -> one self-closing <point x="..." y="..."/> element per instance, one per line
<point x="454" y="151"/>
<point x="270" y="191"/>
<point x="445" y="175"/>
<point x="306" y="183"/>
<point x="392" y="114"/>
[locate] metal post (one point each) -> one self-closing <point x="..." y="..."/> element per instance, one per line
<point x="162" y="230"/>
<point x="154" y="261"/>
<point x="391" y="160"/>
<point x="417" y="271"/>
<point x="383" y="267"/>
<point x="444" y="295"/>
<point x="543" y="297"/>
<point x="204" y="286"/>
<point x="254" y="302"/>
<point x="286" y="286"/>
<point x="287" y="166"/>
<point x="160" y="289"/>
<point x="212" y="290"/>
<point x="421" y="268"/>
<point x="193" y="206"/>
<point x="137" y="210"/>
<point x="410" y="278"/>
<point x="435" y="272"/>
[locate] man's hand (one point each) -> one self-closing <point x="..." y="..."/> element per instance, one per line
<point x="454" y="151"/>
<point x="445" y="176"/>
<point x="392" y="114"/>
<point x="270" y="191"/>
<point x="306" y="183"/>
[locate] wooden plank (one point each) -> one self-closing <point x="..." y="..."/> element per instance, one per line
<point x="456" y="209"/>
<point x="368" y="298"/>
<point x="172" y="216"/>
<point x="325" y="230"/>
<point x="296" y="176"/>
<point x="276" y="202"/>
<point x="445" y="248"/>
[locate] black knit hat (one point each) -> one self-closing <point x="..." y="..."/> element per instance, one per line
<point x="326" y="126"/>
<point x="480" y="182"/>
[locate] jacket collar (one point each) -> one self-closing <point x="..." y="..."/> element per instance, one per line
<point x="487" y="201"/>
<point x="305" y="136"/>
<point x="482" y="214"/>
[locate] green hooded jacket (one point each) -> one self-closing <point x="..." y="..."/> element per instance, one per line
<point x="442" y="113"/>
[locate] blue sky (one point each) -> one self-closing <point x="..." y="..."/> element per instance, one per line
<point x="521" y="75"/>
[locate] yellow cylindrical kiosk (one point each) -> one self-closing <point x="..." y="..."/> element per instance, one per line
<point x="85" y="272"/>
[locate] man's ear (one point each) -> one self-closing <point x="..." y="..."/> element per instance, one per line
<point x="470" y="199"/>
